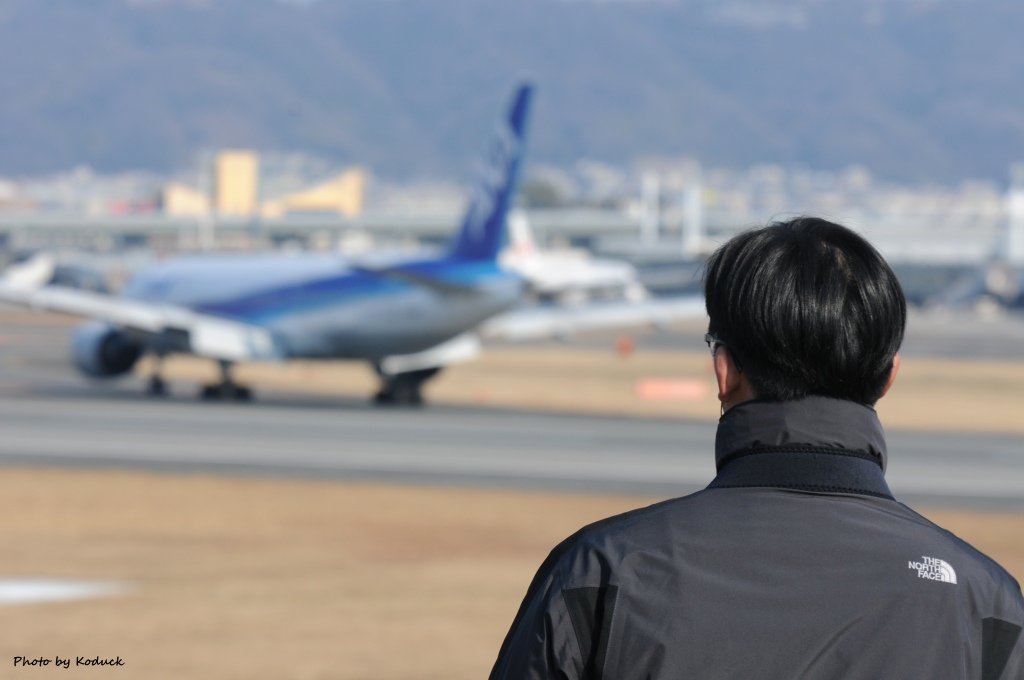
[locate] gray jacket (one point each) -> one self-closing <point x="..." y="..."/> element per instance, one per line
<point x="796" y="562"/>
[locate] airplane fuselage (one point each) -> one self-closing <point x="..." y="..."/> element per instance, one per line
<point x="322" y="306"/>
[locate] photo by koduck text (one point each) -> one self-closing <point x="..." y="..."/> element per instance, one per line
<point x="66" y="662"/>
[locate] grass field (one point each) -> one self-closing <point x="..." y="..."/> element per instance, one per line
<point x="247" y="578"/>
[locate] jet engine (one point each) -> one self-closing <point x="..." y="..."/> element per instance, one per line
<point x="102" y="351"/>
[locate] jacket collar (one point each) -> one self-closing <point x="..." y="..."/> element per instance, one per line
<point x="815" y="443"/>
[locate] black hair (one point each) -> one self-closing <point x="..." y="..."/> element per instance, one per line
<point x="807" y="307"/>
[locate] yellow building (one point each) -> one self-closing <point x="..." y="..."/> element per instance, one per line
<point x="180" y="200"/>
<point x="236" y="182"/>
<point x="342" y="194"/>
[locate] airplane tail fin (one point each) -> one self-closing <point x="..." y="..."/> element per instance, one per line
<point x="520" y="235"/>
<point x="482" y="233"/>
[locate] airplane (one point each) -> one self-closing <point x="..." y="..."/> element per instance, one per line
<point x="992" y="288"/>
<point x="996" y="286"/>
<point x="407" y="316"/>
<point x="566" y="275"/>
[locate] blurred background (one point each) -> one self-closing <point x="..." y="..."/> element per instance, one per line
<point x="313" y="533"/>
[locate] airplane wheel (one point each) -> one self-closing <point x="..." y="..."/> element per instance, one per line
<point x="399" y="392"/>
<point x="398" y="395"/>
<point x="405" y="388"/>
<point x="226" y="393"/>
<point x="156" y="387"/>
<point x="408" y="393"/>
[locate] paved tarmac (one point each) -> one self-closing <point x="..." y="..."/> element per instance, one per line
<point x="50" y="416"/>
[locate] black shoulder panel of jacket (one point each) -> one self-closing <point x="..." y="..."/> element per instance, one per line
<point x="998" y="639"/>
<point x="591" y="610"/>
<point x="582" y="605"/>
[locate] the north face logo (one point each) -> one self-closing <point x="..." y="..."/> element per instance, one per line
<point x="933" y="569"/>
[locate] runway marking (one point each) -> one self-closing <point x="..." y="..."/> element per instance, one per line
<point x="31" y="591"/>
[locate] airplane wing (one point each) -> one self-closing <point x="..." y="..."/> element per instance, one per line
<point x="554" y="321"/>
<point x="436" y="285"/>
<point x="207" y="335"/>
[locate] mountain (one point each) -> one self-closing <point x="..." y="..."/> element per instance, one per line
<point x="915" y="90"/>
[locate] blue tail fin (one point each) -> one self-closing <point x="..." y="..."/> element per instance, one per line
<point x="482" y="233"/>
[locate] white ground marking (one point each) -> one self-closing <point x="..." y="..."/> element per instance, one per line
<point x="30" y="590"/>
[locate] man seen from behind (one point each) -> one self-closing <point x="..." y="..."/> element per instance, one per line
<point x="796" y="561"/>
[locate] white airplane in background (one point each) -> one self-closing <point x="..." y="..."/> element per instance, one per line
<point x="567" y="275"/>
<point x="408" y="317"/>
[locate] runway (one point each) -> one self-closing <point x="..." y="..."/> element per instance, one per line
<point x="50" y="416"/>
<point x="332" y="438"/>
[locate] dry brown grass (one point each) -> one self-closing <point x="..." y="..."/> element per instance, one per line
<point x="253" y="578"/>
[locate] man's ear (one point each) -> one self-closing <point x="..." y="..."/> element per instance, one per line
<point x="892" y="374"/>
<point x="733" y="386"/>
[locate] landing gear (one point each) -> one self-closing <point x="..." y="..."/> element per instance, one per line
<point x="157" y="386"/>
<point x="226" y="393"/>
<point x="227" y="389"/>
<point x="403" y="388"/>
